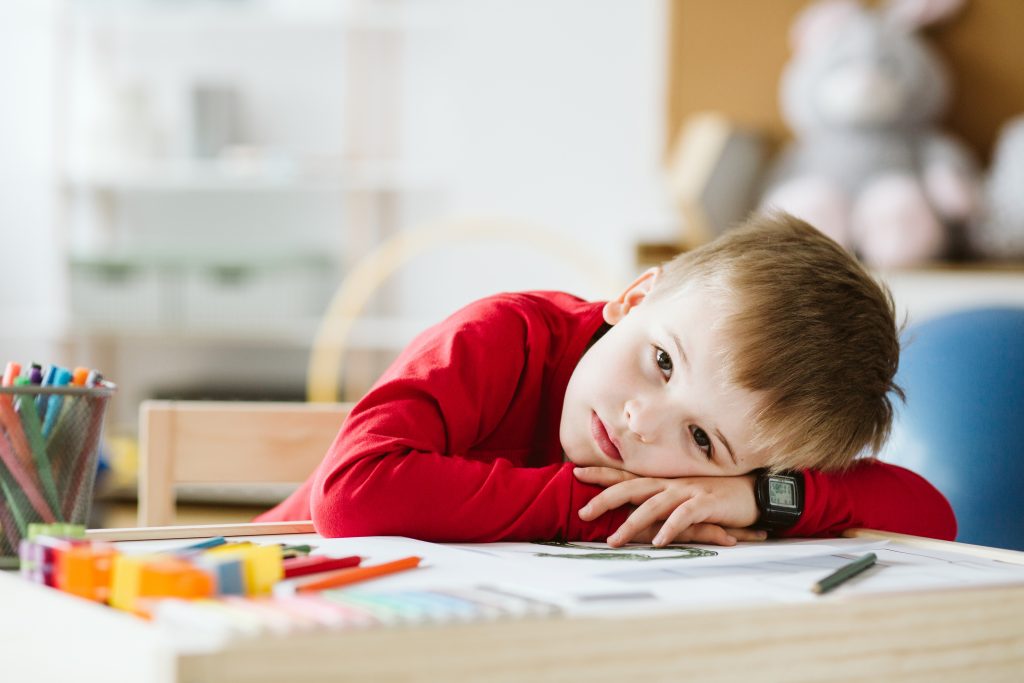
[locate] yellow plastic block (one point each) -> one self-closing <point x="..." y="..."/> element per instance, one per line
<point x="265" y="568"/>
<point x="124" y="581"/>
<point x="262" y="565"/>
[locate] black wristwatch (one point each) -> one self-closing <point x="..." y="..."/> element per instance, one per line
<point x="780" y="500"/>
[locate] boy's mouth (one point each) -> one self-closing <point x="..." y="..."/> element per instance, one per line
<point x="603" y="440"/>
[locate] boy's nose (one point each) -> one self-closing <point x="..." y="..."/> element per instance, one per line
<point x="641" y="421"/>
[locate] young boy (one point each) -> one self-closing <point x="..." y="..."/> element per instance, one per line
<point x="657" y="416"/>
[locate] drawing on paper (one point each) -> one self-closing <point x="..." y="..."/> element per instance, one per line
<point x="641" y="553"/>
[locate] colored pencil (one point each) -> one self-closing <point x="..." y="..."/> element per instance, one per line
<point x="345" y="577"/>
<point x="24" y="479"/>
<point x="844" y="573"/>
<point x="317" y="564"/>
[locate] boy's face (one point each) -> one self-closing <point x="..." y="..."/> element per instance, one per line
<point x="649" y="396"/>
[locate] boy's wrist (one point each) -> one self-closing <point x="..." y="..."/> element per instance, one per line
<point x="779" y="498"/>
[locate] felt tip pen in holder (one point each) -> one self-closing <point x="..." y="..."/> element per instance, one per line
<point x="844" y="573"/>
<point x="11" y="372"/>
<point x="79" y="376"/>
<point x="34" y="373"/>
<point x="49" y="377"/>
<point x="61" y="378"/>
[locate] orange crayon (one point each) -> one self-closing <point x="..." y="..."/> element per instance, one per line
<point x="345" y="577"/>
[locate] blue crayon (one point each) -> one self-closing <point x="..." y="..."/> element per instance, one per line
<point x="204" y="545"/>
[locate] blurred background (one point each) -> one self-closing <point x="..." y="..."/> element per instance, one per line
<point x="187" y="182"/>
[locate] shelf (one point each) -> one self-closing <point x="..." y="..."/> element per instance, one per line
<point x="929" y="292"/>
<point x="652" y="253"/>
<point x="190" y="259"/>
<point x="920" y="293"/>
<point x="270" y="175"/>
<point x="255" y="16"/>
<point x="379" y="333"/>
<point x="171" y="256"/>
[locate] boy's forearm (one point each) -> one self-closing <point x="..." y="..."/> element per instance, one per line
<point x="451" y="499"/>
<point x="874" y="495"/>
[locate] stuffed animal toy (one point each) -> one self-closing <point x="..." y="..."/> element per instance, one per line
<point x="999" y="233"/>
<point x="868" y="166"/>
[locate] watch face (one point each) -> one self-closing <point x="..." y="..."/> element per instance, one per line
<point x="781" y="492"/>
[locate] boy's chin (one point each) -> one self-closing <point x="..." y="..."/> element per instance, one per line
<point x="593" y="461"/>
<point x="577" y="459"/>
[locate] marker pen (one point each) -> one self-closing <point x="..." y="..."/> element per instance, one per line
<point x="61" y="379"/>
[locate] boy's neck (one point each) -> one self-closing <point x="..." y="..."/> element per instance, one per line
<point x="597" y="335"/>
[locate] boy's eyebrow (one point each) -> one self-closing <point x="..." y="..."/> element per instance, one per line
<point x="727" y="446"/>
<point x="679" y="347"/>
<point x="721" y="437"/>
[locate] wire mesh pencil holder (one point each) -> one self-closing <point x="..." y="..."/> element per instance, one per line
<point x="49" y="448"/>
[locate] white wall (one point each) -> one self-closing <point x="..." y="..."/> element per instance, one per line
<point x="561" y="114"/>
<point x="31" y="298"/>
<point x="550" y="112"/>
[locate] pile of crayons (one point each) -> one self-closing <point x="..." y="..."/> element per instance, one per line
<point x="206" y="623"/>
<point x="230" y="590"/>
<point x="50" y="422"/>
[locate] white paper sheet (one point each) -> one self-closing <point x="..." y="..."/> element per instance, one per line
<point x="749" y="573"/>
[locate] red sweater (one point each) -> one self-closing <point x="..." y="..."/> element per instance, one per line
<point x="458" y="441"/>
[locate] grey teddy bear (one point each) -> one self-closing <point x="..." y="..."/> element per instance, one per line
<point x="868" y="165"/>
<point x="999" y="232"/>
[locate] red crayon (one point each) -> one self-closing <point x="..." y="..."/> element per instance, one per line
<point x="313" y="564"/>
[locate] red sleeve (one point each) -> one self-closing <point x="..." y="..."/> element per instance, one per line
<point x="873" y="495"/>
<point x="409" y="459"/>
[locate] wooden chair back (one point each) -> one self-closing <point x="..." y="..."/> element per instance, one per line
<point x="227" y="442"/>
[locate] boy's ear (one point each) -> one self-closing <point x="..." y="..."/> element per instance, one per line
<point x="617" y="308"/>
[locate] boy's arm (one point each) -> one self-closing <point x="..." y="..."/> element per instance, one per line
<point x="408" y="460"/>
<point x="870" y="494"/>
<point x="875" y="495"/>
<point x="450" y="498"/>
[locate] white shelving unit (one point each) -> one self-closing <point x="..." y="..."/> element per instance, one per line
<point x="925" y="293"/>
<point x="222" y="163"/>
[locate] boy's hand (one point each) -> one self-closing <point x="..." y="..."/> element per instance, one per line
<point x="694" y="509"/>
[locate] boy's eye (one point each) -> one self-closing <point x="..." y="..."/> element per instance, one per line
<point x="703" y="441"/>
<point x="663" y="361"/>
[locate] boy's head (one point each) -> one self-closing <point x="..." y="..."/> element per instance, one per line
<point x="769" y="347"/>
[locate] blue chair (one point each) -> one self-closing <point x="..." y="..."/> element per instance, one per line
<point x="962" y="427"/>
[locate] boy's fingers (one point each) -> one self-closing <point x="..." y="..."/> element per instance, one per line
<point x="682" y="518"/>
<point x="602" y="476"/>
<point x="748" y="534"/>
<point x="635" y="491"/>
<point x="711" y="534"/>
<point x="702" y="532"/>
<point x="650" y="512"/>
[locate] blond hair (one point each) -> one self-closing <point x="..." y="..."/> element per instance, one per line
<point x="811" y="332"/>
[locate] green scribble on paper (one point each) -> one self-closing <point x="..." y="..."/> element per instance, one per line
<point x="636" y="553"/>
